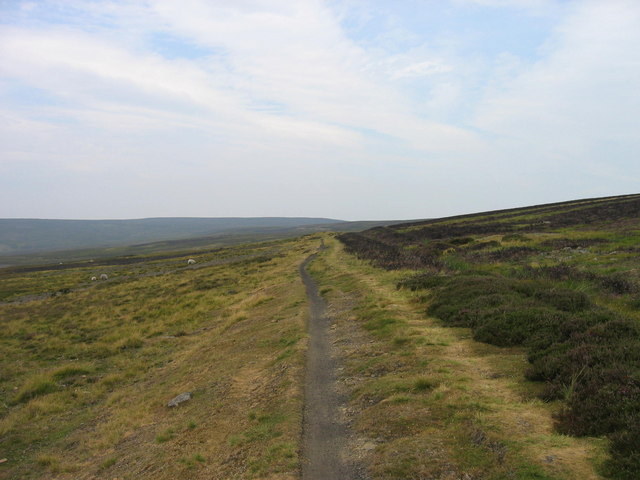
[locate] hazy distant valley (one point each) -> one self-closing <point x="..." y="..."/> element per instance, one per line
<point x="32" y="241"/>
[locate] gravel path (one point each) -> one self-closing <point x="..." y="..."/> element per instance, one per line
<point x="325" y="436"/>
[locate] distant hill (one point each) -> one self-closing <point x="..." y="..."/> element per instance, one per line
<point x="23" y="236"/>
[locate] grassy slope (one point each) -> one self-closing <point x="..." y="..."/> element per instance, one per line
<point x="86" y="374"/>
<point x="429" y="402"/>
<point x="560" y="280"/>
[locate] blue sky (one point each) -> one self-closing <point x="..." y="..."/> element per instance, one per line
<point x="348" y="109"/>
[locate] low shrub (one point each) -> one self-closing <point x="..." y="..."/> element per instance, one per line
<point x="624" y="463"/>
<point x="589" y="407"/>
<point x="563" y="299"/>
<point x="618" y="283"/>
<point x="510" y="326"/>
<point x="587" y="355"/>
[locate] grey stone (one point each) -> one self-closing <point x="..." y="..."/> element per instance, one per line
<point x="183" y="397"/>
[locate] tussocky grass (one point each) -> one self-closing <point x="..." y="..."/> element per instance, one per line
<point x="86" y="374"/>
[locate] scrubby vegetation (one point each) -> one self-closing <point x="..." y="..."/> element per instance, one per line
<point x="560" y="280"/>
<point x="85" y="375"/>
<point x="426" y="400"/>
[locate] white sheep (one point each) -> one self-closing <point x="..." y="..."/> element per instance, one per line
<point x="104" y="276"/>
<point x="191" y="261"/>
<point x="93" y="279"/>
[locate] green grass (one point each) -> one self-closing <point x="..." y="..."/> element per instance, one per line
<point x="560" y="281"/>
<point x="421" y="391"/>
<point x="87" y="374"/>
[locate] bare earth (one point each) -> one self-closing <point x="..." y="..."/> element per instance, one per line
<point x="325" y="436"/>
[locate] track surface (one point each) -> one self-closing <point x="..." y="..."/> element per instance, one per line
<point x="325" y="437"/>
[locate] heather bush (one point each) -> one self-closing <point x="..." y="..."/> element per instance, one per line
<point x="586" y="355"/>
<point x="604" y="401"/>
<point x="563" y="299"/>
<point x="618" y="283"/>
<point x="511" y="325"/>
<point x="624" y="463"/>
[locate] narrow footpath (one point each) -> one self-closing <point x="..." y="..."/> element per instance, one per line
<point x="325" y="437"/>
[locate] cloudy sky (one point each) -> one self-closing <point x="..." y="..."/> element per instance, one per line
<point x="351" y="109"/>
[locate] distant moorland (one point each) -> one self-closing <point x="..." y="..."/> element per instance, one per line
<point x="38" y="235"/>
<point x="34" y="241"/>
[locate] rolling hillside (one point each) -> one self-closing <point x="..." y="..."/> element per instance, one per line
<point x="561" y="281"/>
<point x="493" y="346"/>
<point x="19" y="236"/>
<point x="171" y="247"/>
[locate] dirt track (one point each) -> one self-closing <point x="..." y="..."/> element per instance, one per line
<point x="325" y="436"/>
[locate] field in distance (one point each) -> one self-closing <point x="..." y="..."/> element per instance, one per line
<point x="35" y="242"/>
<point x="29" y="235"/>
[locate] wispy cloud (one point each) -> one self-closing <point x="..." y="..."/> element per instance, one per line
<point x="298" y="108"/>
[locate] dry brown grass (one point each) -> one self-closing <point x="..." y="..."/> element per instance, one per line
<point x="232" y="333"/>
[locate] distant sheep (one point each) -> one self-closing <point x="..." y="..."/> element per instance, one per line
<point x="191" y="261"/>
<point x="104" y="277"/>
<point x="93" y="279"/>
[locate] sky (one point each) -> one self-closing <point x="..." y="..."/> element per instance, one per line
<point x="347" y="109"/>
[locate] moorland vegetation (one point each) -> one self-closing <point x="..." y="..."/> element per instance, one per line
<point x="87" y="368"/>
<point x="501" y="345"/>
<point x="560" y="280"/>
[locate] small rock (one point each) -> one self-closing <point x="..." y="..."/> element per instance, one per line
<point x="183" y="397"/>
